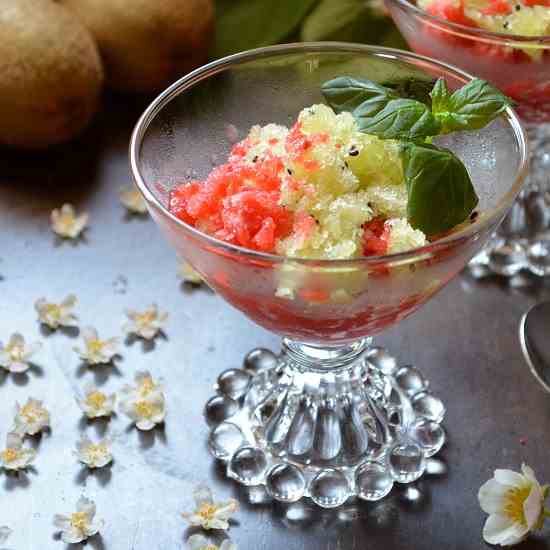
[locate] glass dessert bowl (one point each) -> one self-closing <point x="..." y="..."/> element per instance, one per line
<point x="519" y="65"/>
<point x="330" y="416"/>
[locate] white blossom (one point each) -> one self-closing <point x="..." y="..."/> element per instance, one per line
<point x="31" y="418"/>
<point x="209" y="514"/>
<point x="200" y="542"/>
<point x="145" y="412"/>
<point x="66" y="223"/>
<point x="145" y="386"/>
<point x="15" y="355"/>
<point x="515" y="504"/>
<point x="97" y="351"/>
<point x="94" y="455"/>
<point x="57" y="315"/>
<point x="16" y="457"/>
<point x="146" y="324"/>
<point x="94" y="403"/>
<point x="80" y="525"/>
<point x="133" y="200"/>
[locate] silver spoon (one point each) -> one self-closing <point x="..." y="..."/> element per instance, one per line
<point x="534" y="336"/>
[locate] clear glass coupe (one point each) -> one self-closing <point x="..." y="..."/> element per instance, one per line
<point x="520" y="67"/>
<point x="330" y="416"/>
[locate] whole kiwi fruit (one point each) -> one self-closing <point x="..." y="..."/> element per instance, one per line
<point x="52" y="74"/>
<point x="147" y="44"/>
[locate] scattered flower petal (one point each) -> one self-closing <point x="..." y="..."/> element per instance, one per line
<point x="95" y="403"/>
<point x="66" y="223"/>
<point x="200" y="542"/>
<point x="57" y="315"/>
<point x="5" y="533"/>
<point x="94" y="455"/>
<point x="15" y="355"/>
<point x="97" y="351"/>
<point x="515" y="504"/>
<point x="16" y="457"/>
<point x="209" y="514"/>
<point x="146" y="324"/>
<point x="31" y="418"/>
<point x="133" y="200"/>
<point x="189" y="275"/>
<point x="80" y="525"/>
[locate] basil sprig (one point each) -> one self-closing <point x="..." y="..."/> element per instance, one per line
<point x="440" y="192"/>
<point x="469" y="108"/>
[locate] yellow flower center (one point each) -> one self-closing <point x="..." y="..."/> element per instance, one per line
<point x="30" y="413"/>
<point x="15" y="351"/>
<point x="207" y="511"/>
<point x="10" y="455"/>
<point x="96" y="399"/>
<point x="96" y="451"/>
<point x="144" y="409"/>
<point x="95" y="346"/>
<point x="147" y="385"/>
<point x="79" y="520"/>
<point x="67" y="219"/>
<point x="53" y="311"/>
<point x="513" y="506"/>
<point x="146" y="318"/>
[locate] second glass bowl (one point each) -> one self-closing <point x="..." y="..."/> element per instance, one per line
<point x="520" y="67"/>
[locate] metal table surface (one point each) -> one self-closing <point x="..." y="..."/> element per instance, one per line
<point x="464" y="340"/>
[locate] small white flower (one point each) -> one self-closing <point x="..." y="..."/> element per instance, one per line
<point x="31" y="418"/>
<point x="145" y="412"/>
<point x="209" y="514"/>
<point x="80" y="525"/>
<point x="133" y="200"/>
<point x="16" y="457"/>
<point x="5" y="533"/>
<point x="95" y="403"/>
<point x="200" y="542"/>
<point x="189" y="275"/>
<point x="145" y="386"/>
<point x="66" y="223"/>
<point x="96" y="351"/>
<point x="15" y="355"/>
<point x="515" y="504"/>
<point x="146" y="324"/>
<point x="94" y="455"/>
<point x="57" y="315"/>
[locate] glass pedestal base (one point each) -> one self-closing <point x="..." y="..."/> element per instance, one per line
<point x="328" y="434"/>
<point x="522" y="242"/>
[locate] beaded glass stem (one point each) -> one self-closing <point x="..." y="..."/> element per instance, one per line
<point x="324" y="423"/>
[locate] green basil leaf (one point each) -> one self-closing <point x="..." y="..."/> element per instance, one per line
<point x="399" y="119"/>
<point x="440" y="96"/>
<point x="440" y="191"/>
<point x="471" y="107"/>
<point x="345" y="93"/>
<point x="245" y="24"/>
<point x="412" y="88"/>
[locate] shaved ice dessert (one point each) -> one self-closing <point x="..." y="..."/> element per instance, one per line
<point x="320" y="189"/>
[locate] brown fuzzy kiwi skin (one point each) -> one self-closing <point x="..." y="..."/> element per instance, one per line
<point x="51" y="74"/>
<point x="147" y="44"/>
